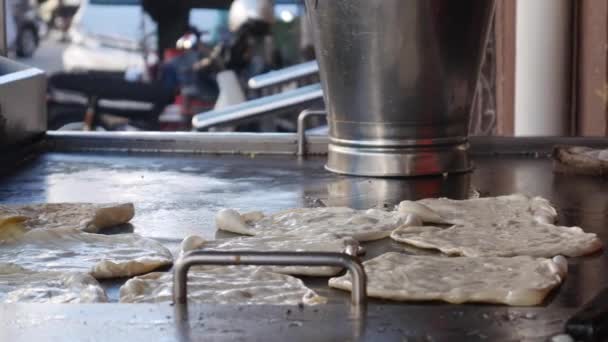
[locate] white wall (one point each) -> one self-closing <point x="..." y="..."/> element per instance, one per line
<point x="542" y="67"/>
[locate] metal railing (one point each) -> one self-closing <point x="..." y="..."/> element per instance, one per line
<point x="283" y="103"/>
<point x="285" y="75"/>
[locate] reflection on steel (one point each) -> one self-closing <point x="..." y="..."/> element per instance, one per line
<point x="302" y="128"/>
<point x="183" y="264"/>
<point x="282" y="103"/>
<point x="364" y="193"/>
<point x="284" y="75"/>
<point x="398" y="74"/>
<point x="183" y="142"/>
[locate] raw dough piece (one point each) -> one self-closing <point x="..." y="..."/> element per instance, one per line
<point x="284" y="243"/>
<point x="18" y="285"/>
<point x="71" y="250"/>
<point x="88" y="217"/>
<point x="222" y="285"/>
<point x="518" y="280"/>
<point x="361" y="225"/>
<point x="497" y="226"/>
<point x="580" y="160"/>
<point x="486" y="210"/>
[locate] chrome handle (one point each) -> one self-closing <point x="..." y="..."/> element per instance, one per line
<point x="285" y="75"/>
<point x="302" y="128"/>
<point x="199" y="257"/>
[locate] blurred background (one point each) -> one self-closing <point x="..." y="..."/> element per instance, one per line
<point x="154" y="64"/>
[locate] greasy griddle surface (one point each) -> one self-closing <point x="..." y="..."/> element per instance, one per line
<point x="179" y="195"/>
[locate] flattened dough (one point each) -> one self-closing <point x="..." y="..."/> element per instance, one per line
<point x="497" y="226"/>
<point x="520" y="280"/>
<point x="481" y="210"/>
<point x="361" y="225"/>
<point x="580" y="160"/>
<point x="18" y="285"/>
<point x="71" y="250"/>
<point x="88" y="217"/>
<point x="222" y="285"/>
<point x="284" y="243"/>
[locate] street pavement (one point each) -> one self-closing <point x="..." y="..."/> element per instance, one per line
<point x="48" y="55"/>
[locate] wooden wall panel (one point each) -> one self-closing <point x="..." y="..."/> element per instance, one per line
<point x="505" y="20"/>
<point x="591" y="84"/>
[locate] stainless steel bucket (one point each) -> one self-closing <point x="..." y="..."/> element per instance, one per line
<point x="398" y="79"/>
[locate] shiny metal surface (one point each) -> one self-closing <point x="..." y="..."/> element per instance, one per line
<point x="183" y="264"/>
<point x="22" y="102"/>
<point x="398" y="73"/>
<point x="242" y="11"/>
<point x="162" y="322"/>
<point x="301" y="128"/>
<point x="178" y="195"/>
<point x="399" y="161"/>
<point x="284" y="75"/>
<point x="290" y="101"/>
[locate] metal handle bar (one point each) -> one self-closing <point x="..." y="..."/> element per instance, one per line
<point x="304" y="115"/>
<point x="199" y="257"/>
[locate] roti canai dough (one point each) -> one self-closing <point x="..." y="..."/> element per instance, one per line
<point x="361" y="225"/>
<point x="519" y="281"/>
<point x="284" y="243"/>
<point x="88" y="217"/>
<point x="71" y="250"/>
<point x="222" y="285"/>
<point x="18" y="285"/>
<point x="495" y="226"/>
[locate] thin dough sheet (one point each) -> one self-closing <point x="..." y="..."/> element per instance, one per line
<point x="496" y="226"/>
<point x="223" y="285"/>
<point x="519" y="281"/>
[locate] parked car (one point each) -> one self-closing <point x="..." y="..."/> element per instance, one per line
<point x="117" y="35"/>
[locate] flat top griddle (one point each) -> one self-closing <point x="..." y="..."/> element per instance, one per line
<point x="178" y="194"/>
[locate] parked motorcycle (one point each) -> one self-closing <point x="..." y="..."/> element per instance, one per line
<point x="192" y="78"/>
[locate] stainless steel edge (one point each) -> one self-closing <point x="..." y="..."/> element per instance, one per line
<point x="183" y="264"/>
<point x="182" y="142"/>
<point x="273" y="143"/>
<point x="388" y="143"/>
<point x="398" y="162"/>
<point x="290" y="73"/>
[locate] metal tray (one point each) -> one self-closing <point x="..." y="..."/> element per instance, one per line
<point x="179" y="181"/>
<point x="22" y="102"/>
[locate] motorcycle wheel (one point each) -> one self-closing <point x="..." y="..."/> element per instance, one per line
<point x="27" y="42"/>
